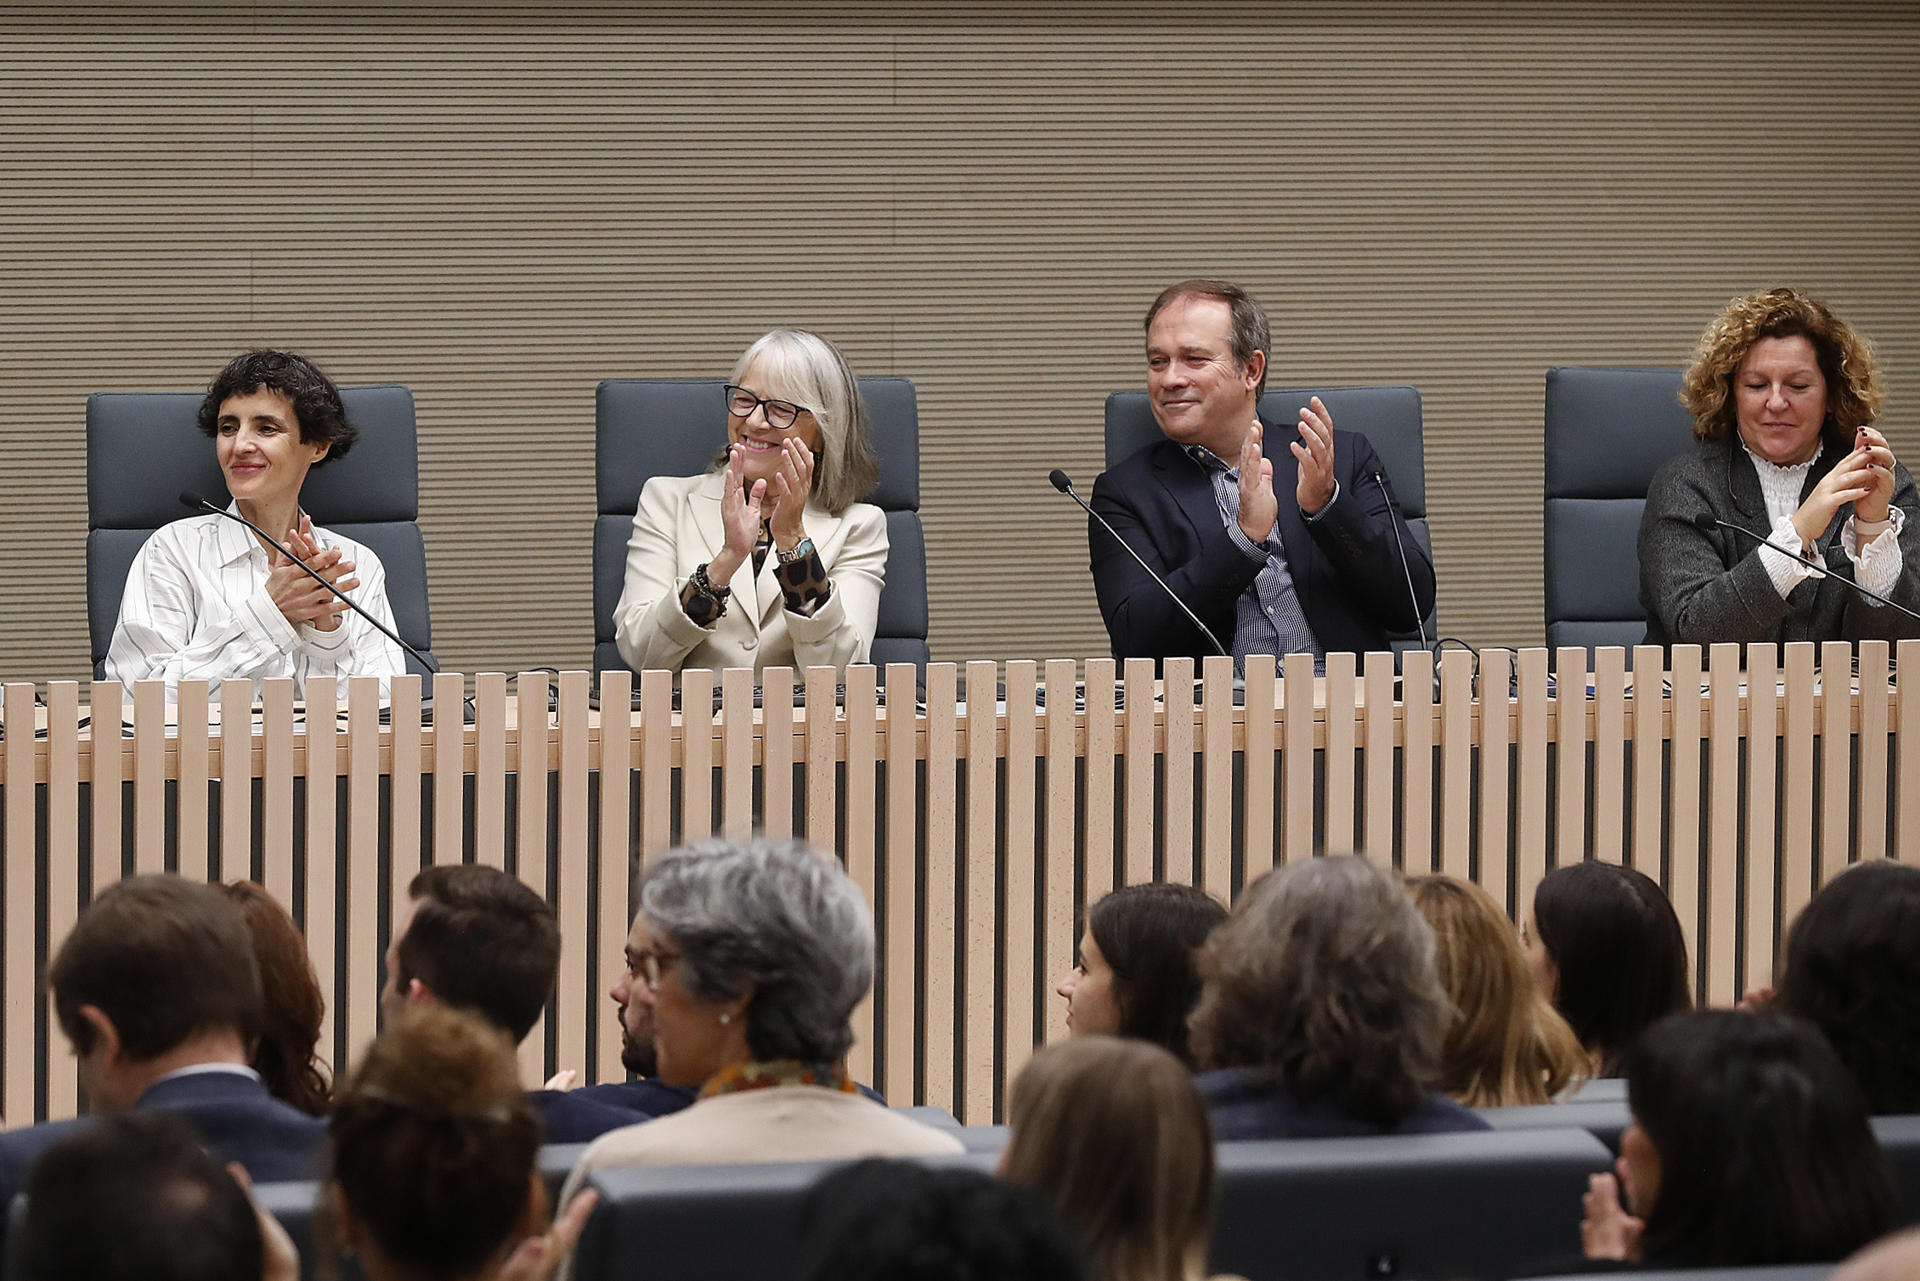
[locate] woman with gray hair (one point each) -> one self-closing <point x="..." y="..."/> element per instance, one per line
<point x="766" y="560"/>
<point x="750" y="957"/>
<point x="1321" y="1013"/>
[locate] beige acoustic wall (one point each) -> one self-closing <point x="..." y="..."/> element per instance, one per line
<point x="500" y="206"/>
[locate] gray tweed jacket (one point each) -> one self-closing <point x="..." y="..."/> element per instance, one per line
<point x="1701" y="586"/>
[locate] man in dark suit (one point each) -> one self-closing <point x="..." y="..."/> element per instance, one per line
<point x="157" y="990"/>
<point x="1276" y="551"/>
<point x="480" y="940"/>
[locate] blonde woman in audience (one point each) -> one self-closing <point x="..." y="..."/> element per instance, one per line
<point x="1114" y="1134"/>
<point x="1506" y="1046"/>
<point x="435" y="1171"/>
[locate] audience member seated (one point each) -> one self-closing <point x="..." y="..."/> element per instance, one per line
<point x="1113" y="1133"/>
<point x="435" y="1173"/>
<point x="1506" y="1045"/>
<point x="207" y="600"/>
<point x="157" y="990"/>
<point x="136" y="1198"/>
<point x="1893" y="1258"/>
<point x="477" y="939"/>
<point x="1749" y="1146"/>
<point x="286" y="1050"/>
<point x="902" y="1221"/>
<point x="1853" y="970"/>
<point x="767" y="560"/>
<point x="752" y="956"/>
<point x="1605" y="943"/>
<point x="1134" y="973"/>
<point x="1784" y="396"/>
<point x="1320" y="1013"/>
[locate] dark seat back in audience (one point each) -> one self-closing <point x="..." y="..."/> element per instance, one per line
<point x="646" y="427"/>
<point x="1899" y="1138"/>
<point x="556" y="1163"/>
<point x="143" y="449"/>
<point x="1604" y="1119"/>
<point x="1460" y="1206"/>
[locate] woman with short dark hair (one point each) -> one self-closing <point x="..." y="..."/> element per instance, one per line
<point x="1134" y="973"/>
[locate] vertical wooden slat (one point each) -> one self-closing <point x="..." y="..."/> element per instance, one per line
<point x="776" y="751"/>
<point x="904" y="906"/>
<point x="24" y="1059"/>
<point x="1379" y="804"/>
<point x="572" y="886"/>
<point x="236" y="780"/>
<point x="1456" y="763"/>
<point x="450" y="769"/>
<point x="1058" y="876"/>
<point x="1906" y="822"/>
<point x="276" y="786"/>
<point x="406" y="737"/>
<point x="696" y="756"/>
<point x="1609" y="753"/>
<point x="1570" y="744"/>
<point x="982" y="928"/>
<point x="1176" y="696"/>
<point x="490" y="769"/>
<point x="1103" y="740"/>
<point x="108" y="765"/>
<point x="1683" y="876"/>
<point x="191" y="796"/>
<point x="323" y="879"/>
<point x="863" y="813"/>
<point x="1496" y="800"/>
<point x="1796" y="781"/>
<point x="63" y="869"/>
<point x="1416" y="771"/>
<point x="1138" y="863"/>
<point x="823" y="749"/>
<point x="1263" y="741"/>
<point x="1296" y="759"/>
<point x="361" y="998"/>
<point x="938" y="983"/>
<point x="1763" y="802"/>
<point x="1650" y="701"/>
<point x="1718" y="888"/>
<point x="531" y="762"/>
<point x="657" y="722"/>
<point x="615" y="855"/>
<point x="1531" y="730"/>
<point x="149" y="777"/>
<point x="1342" y="784"/>
<point x="1213" y="861"/>
<point x="1836" y="759"/>
<point x="1870" y="822"/>
<point x="1024" y="970"/>
<point x="736" y="753"/>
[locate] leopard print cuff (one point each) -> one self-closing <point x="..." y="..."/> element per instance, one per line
<point x="701" y="609"/>
<point x="804" y="584"/>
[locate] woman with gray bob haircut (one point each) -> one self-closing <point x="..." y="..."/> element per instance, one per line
<point x="1321" y="1012"/>
<point x="748" y="958"/>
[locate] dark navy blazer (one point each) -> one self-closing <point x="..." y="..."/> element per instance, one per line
<point x="1241" y="1107"/>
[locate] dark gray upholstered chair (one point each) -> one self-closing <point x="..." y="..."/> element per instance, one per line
<point x="1607" y="432"/>
<point x="1899" y="1138"/>
<point x="1387" y="416"/>
<point x="1604" y="1119"/>
<point x="1479" y="1204"/>
<point x="143" y="449"/>
<point x="645" y="428"/>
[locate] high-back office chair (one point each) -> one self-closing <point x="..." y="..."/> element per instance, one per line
<point x="1607" y="432"/>
<point x="674" y="427"/>
<point x="143" y="449"/>
<point x="1389" y="417"/>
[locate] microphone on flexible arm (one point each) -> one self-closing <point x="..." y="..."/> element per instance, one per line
<point x="188" y="498"/>
<point x="1065" y="486"/>
<point x="1379" y="475"/>
<point x="1707" y="523"/>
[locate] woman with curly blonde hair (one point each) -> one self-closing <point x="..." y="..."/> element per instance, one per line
<point x="1506" y="1046"/>
<point x="1784" y="397"/>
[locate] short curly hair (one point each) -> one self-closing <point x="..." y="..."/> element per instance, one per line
<point x="1855" y="391"/>
<point x="317" y="410"/>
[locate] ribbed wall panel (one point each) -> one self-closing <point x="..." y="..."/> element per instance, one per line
<point x="499" y="205"/>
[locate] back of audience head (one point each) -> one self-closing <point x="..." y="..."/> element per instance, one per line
<point x="1506" y="1045"/>
<point x="478" y="939"/>
<point x="906" y="1221"/>
<point x="1115" y="1135"/>
<point x="1134" y="975"/>
<point x="1852" y="969"/>
<point x="435" y="1150"/>
<point x="135" y="1197"/>
<point x="1322" y="981"/>
<point x="1606" y="944"/>
<point x="154" y="966"/>
<point x="286" y="1053"/>
<point x="1751" y="1142"/>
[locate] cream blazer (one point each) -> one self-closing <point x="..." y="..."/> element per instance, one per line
<point x="677" y="528"/>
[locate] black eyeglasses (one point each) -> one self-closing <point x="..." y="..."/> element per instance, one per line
<point x="779" y="413"/>
<point x="649" y="963"/>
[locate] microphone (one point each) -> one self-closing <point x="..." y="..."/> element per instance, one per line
<point x="1379" y="474"/>
<point x="189" y="498"/>
<point x="1706" y="523"/>
<point x="1065" y="486"/>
